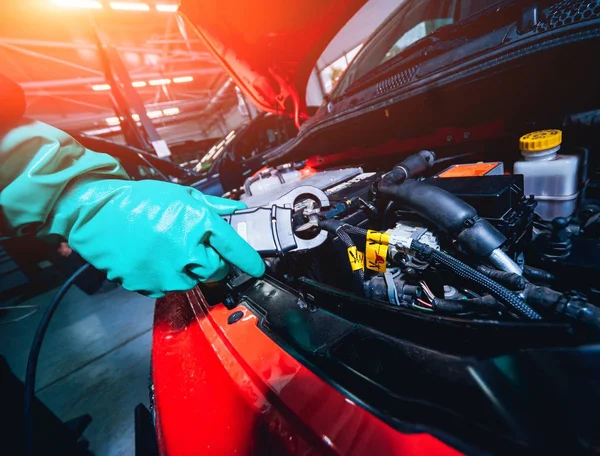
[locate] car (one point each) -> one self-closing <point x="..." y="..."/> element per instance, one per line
<point x="431" y="264"/>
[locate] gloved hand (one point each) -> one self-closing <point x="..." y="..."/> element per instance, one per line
<point x="152" y="237"/>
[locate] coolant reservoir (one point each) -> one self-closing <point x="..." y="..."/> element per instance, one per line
<point x="551" y="177"/>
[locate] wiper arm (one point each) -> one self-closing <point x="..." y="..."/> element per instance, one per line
<point x="429" y="46"/>
<point x="423" y="44"/>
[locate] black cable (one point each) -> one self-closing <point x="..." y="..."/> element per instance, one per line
<point x="342" y="230"/>
<point x="386" y="214"/>
<point x="358" y="274"/>
<point x="463" y="270"/>
<point x="34" y="354"/>
<point x="501" y="293"/>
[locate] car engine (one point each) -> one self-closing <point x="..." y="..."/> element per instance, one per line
<point x="466" y="240"/>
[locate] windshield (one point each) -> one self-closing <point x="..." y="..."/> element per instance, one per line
<point x="411" y="22"/>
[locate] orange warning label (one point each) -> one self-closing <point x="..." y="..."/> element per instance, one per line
<point x="469" y="170"/>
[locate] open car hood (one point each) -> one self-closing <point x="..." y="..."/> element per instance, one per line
<point x="270" y="47"/>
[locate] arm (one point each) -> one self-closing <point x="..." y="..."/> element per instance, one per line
<point x="152" y="237"/>
<point x="37" y="163"/>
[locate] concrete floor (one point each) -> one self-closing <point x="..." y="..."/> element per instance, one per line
<point x="95" y="359"/>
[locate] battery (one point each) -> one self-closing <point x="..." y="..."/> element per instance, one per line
<point x="491" y="196"/>
<point x="473" y="170"/>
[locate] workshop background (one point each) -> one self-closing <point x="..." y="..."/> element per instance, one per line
<point x="95" y="358"/>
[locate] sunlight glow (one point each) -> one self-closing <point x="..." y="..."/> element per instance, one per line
<point x="129" y="6"/>
<point x="166" y="8"/>
<point x="93" y="4"/>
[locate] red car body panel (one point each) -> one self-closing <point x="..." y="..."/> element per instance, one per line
<point x="270" y="47"/>
<point x="223" y="389"/>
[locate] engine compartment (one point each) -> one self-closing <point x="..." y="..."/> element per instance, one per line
<point x="476" y="212"/>
<point x="441" y="300"/>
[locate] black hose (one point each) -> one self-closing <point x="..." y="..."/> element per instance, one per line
<point x="535" y="274"/>
<point x="34" y="354"/>
<point x="448" y="212"/>
<point x="411" y="166"/>
<point x="571" y="305"/>
<point x="510" y="280"/>
<point x="499" y="292"/>
<point x="454" y="306"/>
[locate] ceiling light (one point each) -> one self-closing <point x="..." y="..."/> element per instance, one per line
<point x="93" y="4"/>
<point x="99" y="87"/>
<point x="154" y="114"/>
<point x="170" y="111"/>
<point x="156" y="82"/>
<point x="167" y="8"/>
<point x="112" y="120"/>
<point x="135" y="117"/>
<point x="138" y="84"/>
<point x="183" y="79"/>
<point x="101" y="131"/>
<point x="129" y="6"/>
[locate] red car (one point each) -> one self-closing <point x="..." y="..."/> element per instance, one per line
<point x="461" y="148"/>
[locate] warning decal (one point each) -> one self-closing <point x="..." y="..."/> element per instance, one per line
<point x="356" y="258"/>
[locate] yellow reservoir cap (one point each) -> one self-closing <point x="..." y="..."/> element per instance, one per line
<point x="540" y="140"/>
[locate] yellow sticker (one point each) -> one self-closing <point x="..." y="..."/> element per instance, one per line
<point x="375" y="256"/>
<point x="356" y="258"/>
<point x="377" y="237"/>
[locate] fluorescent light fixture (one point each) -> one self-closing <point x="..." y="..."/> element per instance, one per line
<point x="183" y="79"/>
<point x="154" y="114"/>
<point x="99" y="87"/>
<point x="156" y="82"/>
<point x="92" y="4"/>
<point x="138" y="83"/>
<point x="166" y="8"/>
<point x="129" y="6"/>
<point x="101" y="131"/>
<point x="113" y="120"/>
<point x="170" y="111"/>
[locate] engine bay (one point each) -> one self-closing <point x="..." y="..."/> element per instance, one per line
<point x="442" y="290"/>
<point x="443" y="241"/>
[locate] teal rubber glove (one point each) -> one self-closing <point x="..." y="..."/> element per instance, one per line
<point x="152" y="237"/>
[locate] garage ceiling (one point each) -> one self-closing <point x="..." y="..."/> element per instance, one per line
<point x="49" y="47"/>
